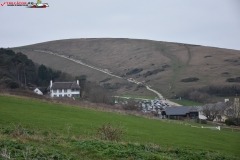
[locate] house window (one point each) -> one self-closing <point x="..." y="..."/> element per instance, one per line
<point x="65" y="90"/>
<point x="72" y="90"/>
<point x="54" y="95"/>
<point x="54" y="91"/>
<point x="60" y="90"/>
<point x="60" y="95"/>
<point x="65" y="95"/>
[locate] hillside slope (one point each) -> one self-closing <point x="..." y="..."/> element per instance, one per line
<point x="161" y="65"/>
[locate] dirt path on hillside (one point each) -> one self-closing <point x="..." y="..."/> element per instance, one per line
<point x="107" y="72"/>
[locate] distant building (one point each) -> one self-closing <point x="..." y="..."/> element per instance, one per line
<point x="234" y="110"/>
<point x="38" y="91"/>
<point x="226" y="100"/>
<point x="64" y="89"/>
<point x="182" y="112"/>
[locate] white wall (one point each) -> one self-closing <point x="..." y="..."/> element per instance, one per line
<point x="68" y="93"/>
<point x="38" y="91"/>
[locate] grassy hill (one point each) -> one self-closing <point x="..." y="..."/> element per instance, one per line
<point x="71" y="131"/>
<point x="159" y="64"/>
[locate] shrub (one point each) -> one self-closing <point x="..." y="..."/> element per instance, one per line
<point x="237" y="79"/>
<point x="149" y="73"/>
<point x="134" y="71"/>
<point x="105" y="80"/>
<point x="203" y="121"/>
<point x="192" y="79"/>
<point x="13" y="85"/>
<point x="20" y="131"/>
<point x="131" y="105"/>
<point x="197" y="120"/>
<point x="171" y="117"/>
<point x="225" y="73"/>
<point x="207" y="56"/>
<point x="229" y="122"/>
<point x="110" y="133"/>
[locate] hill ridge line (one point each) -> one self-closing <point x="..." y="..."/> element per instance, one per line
<point x="106" y="72"/>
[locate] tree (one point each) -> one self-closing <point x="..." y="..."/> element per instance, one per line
<point x="234" y="116"/>
<point x="210" y="111"/>
<point x="131" y="105"/>
<point x="96" y="94"/>
<point x="82" y="81"/>
<point x="43" y="73"/>
<point x="46" y="74"/>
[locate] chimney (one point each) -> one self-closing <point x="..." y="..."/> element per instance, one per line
<point x="50" y="84"/>
<point x="78" y="82"/>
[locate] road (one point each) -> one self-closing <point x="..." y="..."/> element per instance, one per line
<point x="106" y="72"/>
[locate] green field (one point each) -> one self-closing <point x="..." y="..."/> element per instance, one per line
<point x="184" y="102"/>
<point x="140" y="97"/>
<point x="81" y="122"/>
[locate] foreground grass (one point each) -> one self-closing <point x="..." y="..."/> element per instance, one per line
<point x="20" y="143"/>
<point x="80" y="122"/>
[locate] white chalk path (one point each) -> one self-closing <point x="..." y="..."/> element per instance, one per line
<point x="107" y="72"/>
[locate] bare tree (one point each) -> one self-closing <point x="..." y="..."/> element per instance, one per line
<point x="194" y="95"/>
<point x="95" y="93"/>
<point x="233" y="112"/>
<point x="211" y="111"/>
<point x="131" y="105"/>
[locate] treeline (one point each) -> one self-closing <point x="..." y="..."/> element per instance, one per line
<point x="204" y="93"/>
<point x="221" y="90"/>
<point x="16" y="70"/>
<point x="45" y="74"/>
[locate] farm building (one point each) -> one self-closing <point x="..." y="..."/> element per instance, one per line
<point x="64" y="89"/>
<point x="181" y="112"/>
<point x="36" y="90"/>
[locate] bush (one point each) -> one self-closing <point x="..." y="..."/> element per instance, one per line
<point x="105" y="80"/>
<point x="197" y="120"/>
<point x="110" y="133"/>
<point x="171" y="117"/>
<point x="229" y="122"/>
<point x="131" y="105"/>
<point x="237" y="79"/>
<point x="192" y="79"/>
<point x="134" y="71"/>
<point x="207" y="56"/>
<point x="149" y="73"/>
<point x="13" y="85"/>
<point x="203" y="121"/>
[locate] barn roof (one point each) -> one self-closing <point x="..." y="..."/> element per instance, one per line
<point x="177" y="110"/>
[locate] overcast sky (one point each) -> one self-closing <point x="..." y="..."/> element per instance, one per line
<point x="204" y="22"/>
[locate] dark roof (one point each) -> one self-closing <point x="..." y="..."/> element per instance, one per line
<point x="195" y="109"/>
<point x="65" y="85"/>
<point x="177" y="110"/>
<point x="219" y="105"/>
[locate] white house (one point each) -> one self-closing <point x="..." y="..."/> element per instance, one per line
<point x="64" y="89"/>
<point x="38" y="91"/>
